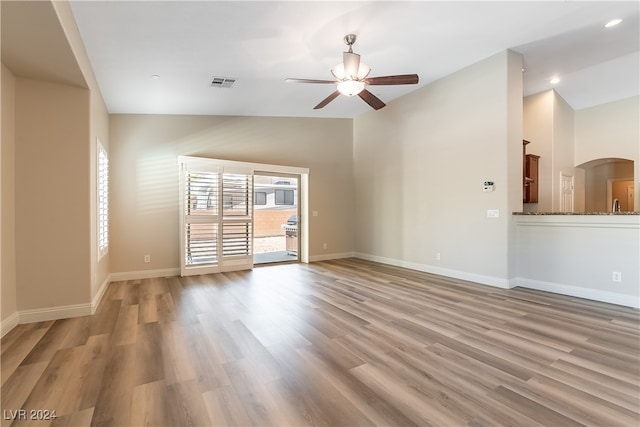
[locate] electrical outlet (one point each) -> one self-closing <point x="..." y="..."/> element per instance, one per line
<point x="616" y="276"/>
<point x="147" y="258"/>
<point x="493" y="213"/>
<point x="324" y="246"/>
<point x="437" y="256"/>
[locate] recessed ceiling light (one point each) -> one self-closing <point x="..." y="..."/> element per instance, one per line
<point x="155" y="76"/>
<point x="612" y="23"/>
<point x="554" y="80"/>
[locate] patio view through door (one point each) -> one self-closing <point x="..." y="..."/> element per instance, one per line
<point x="218" y="201"/>
<point x="275" y="218"/>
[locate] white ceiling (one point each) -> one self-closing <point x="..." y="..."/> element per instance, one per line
<point x="263" y="42"/>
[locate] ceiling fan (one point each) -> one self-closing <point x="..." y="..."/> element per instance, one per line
<point x="352" y="78"/>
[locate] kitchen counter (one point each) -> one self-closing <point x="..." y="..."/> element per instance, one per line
<point x="576" y="213"/>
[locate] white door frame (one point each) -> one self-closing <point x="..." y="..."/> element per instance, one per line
<point x="298" y="197"/>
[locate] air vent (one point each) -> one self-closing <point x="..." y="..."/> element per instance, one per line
<point x="223" y="82"/>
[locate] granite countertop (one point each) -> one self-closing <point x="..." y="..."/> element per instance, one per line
<point x="576" y="213"/>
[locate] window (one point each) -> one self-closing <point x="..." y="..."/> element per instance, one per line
<point x="260" y="198"/>
<point x="103" y="201"/>
<point x="284" y="197"/>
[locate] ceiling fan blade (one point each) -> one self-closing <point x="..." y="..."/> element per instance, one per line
<point x="289" y="80"/>
<point x="327" y="100"/>
<point x="404" y="79"/>
<point x="371" y="99"/>
<point x="351" y="63"/>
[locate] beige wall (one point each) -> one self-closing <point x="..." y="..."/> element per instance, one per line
<point x="49" y="183"/>
<point x="52" y="194"/>
<point x="420" y="165"/>
<point x="563" y="153"/>
<point x="98" y="129"/>
<point x="610" y="131"/>
<point x="144" y="171"/>
<point x="8" y="224"/>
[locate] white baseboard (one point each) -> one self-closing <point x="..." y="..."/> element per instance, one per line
<point x="77" y="310"/>
<point x="98" y="296"/>
<point x="54" y="313"/>
<point x="9" y="323"/>
<point x="144" y="274"/>
<point x="576" y="291"/>
<point x="325" y="257"/>
<point x="456" y="274"/>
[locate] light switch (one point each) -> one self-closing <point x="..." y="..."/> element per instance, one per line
<point x="493" y="213"/>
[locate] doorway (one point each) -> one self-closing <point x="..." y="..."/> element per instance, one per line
<point x="276" y="216"/>
<point x="566" y="192"/>
<point x="622" y="191"/>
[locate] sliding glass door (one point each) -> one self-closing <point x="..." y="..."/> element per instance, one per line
<point x="276" y="216"/>
<point x="217" y="215"/>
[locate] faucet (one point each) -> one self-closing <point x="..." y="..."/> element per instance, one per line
<point x="616" y="206"/>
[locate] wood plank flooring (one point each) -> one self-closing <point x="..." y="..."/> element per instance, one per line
<point x="334" y="343"/>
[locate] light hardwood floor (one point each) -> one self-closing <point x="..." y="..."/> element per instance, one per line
<point x="344" y="342"/>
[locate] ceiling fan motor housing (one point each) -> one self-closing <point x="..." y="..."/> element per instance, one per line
<point x="349" y="40"/>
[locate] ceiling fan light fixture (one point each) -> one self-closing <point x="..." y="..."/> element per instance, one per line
<point x="363" y="71"/>
<point x="339" y="72"/>
<point x="350" y="87"/>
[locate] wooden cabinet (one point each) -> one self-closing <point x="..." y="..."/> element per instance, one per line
<point x="531" y="178"/>
<point x="529" y="175"/>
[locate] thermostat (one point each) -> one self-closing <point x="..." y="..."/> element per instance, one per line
<point x="488" y="186"/>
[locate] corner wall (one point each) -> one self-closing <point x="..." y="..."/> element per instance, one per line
<point x="8" y="308"/>
<point x="98" y="129"/>
<point x="52" y="196"/>
<point x="420" y="165"/>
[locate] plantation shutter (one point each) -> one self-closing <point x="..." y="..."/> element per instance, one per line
<point x="103" y="201"/>
<point x="217" y="218"/>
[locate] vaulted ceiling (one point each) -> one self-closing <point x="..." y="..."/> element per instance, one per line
<point x="187" y="43"/>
